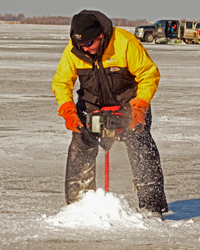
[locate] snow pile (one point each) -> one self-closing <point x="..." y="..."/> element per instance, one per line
<point x="97" y="209"/>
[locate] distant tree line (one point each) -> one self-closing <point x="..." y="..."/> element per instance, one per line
<point x="20" y="18"/>
<point x="128" y="23"/>
<point x="193" y="20"/>
<point x="61" y="20"/>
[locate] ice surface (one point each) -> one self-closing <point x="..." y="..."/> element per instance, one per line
<point x="34" y="143"/>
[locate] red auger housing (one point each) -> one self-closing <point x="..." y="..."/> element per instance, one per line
<point x="106" y="123"/>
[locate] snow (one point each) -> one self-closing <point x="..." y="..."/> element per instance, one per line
<point x="100" y="209"/>
<point x="34" y="145"/>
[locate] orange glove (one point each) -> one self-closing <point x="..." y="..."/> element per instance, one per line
<point x="69" y="112"/>
<point x="139" y="111"/>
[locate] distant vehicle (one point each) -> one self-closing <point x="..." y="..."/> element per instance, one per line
<point x="197" y="26"/>
<point x="164" y="30"/>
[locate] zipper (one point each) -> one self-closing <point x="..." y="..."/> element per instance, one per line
<point x="104" y="80"/>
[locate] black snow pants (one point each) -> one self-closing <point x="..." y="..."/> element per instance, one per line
<point x="145" y="163"/>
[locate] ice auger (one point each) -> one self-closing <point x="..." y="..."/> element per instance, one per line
<point x="104" y="126"/>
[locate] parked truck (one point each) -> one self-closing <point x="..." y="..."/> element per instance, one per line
<point x="165" y="30"/>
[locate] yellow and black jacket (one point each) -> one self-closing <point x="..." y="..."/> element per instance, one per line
<point x="121" y="71"/>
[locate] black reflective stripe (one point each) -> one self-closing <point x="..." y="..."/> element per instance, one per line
<point x="82" y="72"/>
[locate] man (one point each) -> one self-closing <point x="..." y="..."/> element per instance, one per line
<point x="113" y="69"/>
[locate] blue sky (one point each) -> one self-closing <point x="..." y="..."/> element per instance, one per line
<point x="151" y="10"/>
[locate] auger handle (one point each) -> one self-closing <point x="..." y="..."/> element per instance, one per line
<point x="134" y="130"/>
<point x="86" y="133"/>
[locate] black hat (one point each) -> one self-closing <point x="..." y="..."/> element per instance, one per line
<point x="85" y="28"/>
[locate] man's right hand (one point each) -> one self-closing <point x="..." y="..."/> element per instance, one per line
<point x="69" y="112"/>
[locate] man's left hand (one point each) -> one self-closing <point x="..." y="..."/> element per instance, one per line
<point x="139" y="111"/>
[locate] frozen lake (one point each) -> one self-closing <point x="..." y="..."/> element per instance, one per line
<point x="34" y="144"/>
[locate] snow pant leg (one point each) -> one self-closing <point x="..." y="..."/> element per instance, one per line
<point x="81" y="168"/>
<point x="145" y="163"/>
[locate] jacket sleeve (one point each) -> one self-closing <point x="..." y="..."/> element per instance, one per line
<point x="65" y="77"/>
<point x="145" y="70"/>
